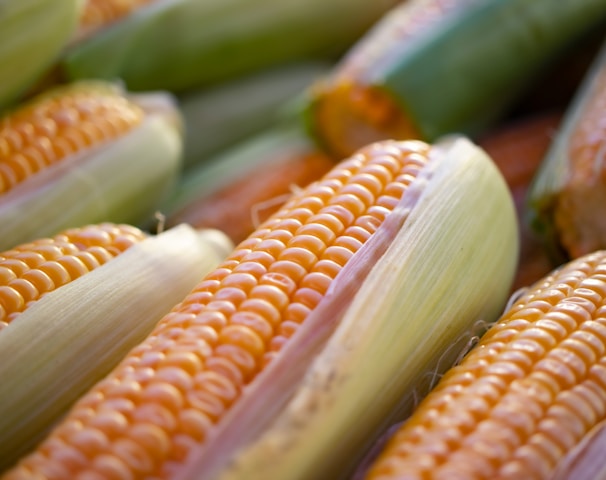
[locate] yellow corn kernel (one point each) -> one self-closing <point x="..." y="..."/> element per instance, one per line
<point x="526" y="395"/>
<point x="31" y="270"/>
<point x="60" y="124"/>
<point x="157" y="407"/>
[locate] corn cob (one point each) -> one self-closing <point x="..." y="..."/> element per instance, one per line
<point x="523" y="397"/>
<point x="422" y="72"/>
<point x="570" y="187"/>
<point x="214" y="41"/>
<point x="244" y="322"/>
<point x="32" y="35"/>
<point x="60" y="152"/>
<point x="217" y="118"/>
<point x="240" y="188"/>
<point x="89" y="294"/>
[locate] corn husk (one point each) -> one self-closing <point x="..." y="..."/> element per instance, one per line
<point x="121" y="181"/>
<point x="72" y="337"/>
<point x="32" y="35"/>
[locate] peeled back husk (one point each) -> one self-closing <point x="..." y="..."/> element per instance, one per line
<point x="399" y="313"/>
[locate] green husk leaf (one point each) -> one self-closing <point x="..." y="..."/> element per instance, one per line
<point x="183" y="44"/>
<point x="459" y="76"/>
<point x="217" y="118"/>
<point x="32" y="36"/>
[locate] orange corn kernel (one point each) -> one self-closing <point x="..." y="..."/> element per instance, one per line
<point x="29" y="271"/>
<point x="59" y="124"/>
<point x="526" y="395"/>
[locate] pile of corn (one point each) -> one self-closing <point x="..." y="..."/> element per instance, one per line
<point x="302" y="240"/>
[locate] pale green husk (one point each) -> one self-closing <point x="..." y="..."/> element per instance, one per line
<point x="217" y="118"/>
<point x="183" y="44"/>
<point x="32" y="35"/>
<point x="449" y="269"/>
<point x="70" y="338"/>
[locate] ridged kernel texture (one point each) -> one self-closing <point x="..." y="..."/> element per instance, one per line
<point x="58" y="124"/>
<point x="159" y="404"/>
<point x="523" y="398"/>
<point x="31" y="270"/>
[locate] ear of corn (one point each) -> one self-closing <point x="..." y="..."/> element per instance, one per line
<point x="524" y="397"/>
<point x="217" y="118"/>
<point x="448" y="266"/>
<point x="32" y="35"/>
<point x="241" y="187"/>
<point x="203" y="357"/>
<point x="34" y="269"/>
<point x="212" y="41"/>
<point x="93" y="316"/>
<point x="59" y="155"/>
<point x="434" y="67"/>
<point x="571" y="184"/>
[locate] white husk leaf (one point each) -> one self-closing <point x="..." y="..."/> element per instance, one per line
<point x="449" y="269"/>
<point x="70" y="338"/>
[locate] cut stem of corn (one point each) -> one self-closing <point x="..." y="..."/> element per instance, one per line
<point x="85" y="153"/>
<point x="32" y="35"/>
<point x="71" y="337"/>
<point x="213" y="41"/>
<point x="570" y="187"/>
<point x="434" y="67"/>
<point x="524" y="397"/>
